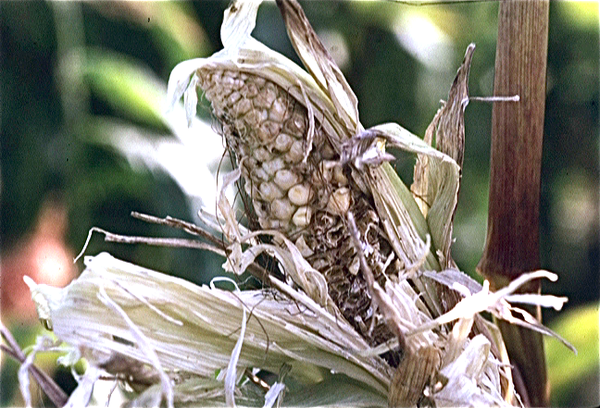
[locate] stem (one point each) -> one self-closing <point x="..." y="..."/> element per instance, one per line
<point x="512" y="244"/>
<point x="50" y="388"/>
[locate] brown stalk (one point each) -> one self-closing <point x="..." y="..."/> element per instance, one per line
<point x="512" y="244"/>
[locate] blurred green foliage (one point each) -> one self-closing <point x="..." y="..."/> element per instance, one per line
<point x="74" y="75"/>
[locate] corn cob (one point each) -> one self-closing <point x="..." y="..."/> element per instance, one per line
<point x="300" y="190"/>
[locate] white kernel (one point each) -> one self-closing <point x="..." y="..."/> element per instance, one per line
<point x="339" y="176"/>
<point x="282" y="209"/>
<point x="283" y="142"/>
<point x="296" y="124"/>
<point x="302" y="216"/>
<point x="275" y="224"/>
<point x="214" y="76"/>
<point x="255" y="117"/>
<point x="234" y="97"/>
<point x="296" y="153"/>
<point x="278" y="110"/>
<point x="272" y="166"/>
<point x="300" y="194"/>
<point x="259" y="81"/>
<point x="262" y="155"/>
<point x="339" y="201"/>
<point x="265" y="98"/>
<point x="269" y="191"/>
<point x="285" y="179"/>
<point x="251" y="90"/>
<point x="227" y="80"/>
<point x="268" y="131"/>
<point x="326" y="169"/>
<point x="242" y="107"/>
<point x="258" y="174"/>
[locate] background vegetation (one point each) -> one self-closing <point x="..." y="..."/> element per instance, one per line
<point x="85" y="140"/>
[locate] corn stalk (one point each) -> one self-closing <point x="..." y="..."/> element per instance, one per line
<point x="371" y="311"/>
<point x="512" y="244"/>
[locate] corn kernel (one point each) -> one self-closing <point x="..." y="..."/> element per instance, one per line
<point x="302" y="217"/>
<point x="278" y="110"/>
<point x="262" y="155"/>
<point x="242" y="107"/>
<point x="339" y="201"/>
<point x="286" y="179"/>
<point x="269" y="191"/>
<point x="265" y="98"/>
<point x="296" y="153"/>
<point x="338" y="175"/>
<point x="282" y="209"/>
<point x="271" y="167"/>
<point x="300" y="194"/>
<point x="255" y="117"/>
<point x="258" y="173"/>
<point x="269" y="131"/>
<point x="283" y="142"/>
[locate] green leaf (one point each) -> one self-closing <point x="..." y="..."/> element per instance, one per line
<point x="127" y="86"/>
<point x="567" y="371"/>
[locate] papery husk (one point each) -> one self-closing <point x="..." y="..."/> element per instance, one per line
<point x="193" y="329"/>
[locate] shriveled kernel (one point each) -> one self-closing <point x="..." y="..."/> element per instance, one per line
<point x="255" y="117"/>
<point x="283" y="142"/>
<point x="243" y="107"/>
<point x="338" y="175"/>
<point x="262" y="155"/>
<point x="296" y="124"/>
<point x="275" y="224"/>
<point x="264" y="137"/>
<point x="300" y="194"/>
<point x="282" y="209"/>
<point x="286" y="179"/>
<point x="258" y="173"/>
<point x="251" y="90"/>
<point x="271" y="167"/>
<point x="250" y="162"/>
<point x="339" y="201"/>
<point x="271" y="129"/>
<point x="265" y="98"/>
<point x="302" y="217"/>
<point x="278" y="110"/>
<point x="269" y="191"/>
<point x="234" y="97"/>
<point x="296" y="153"/>
<point x="326" y="169"/>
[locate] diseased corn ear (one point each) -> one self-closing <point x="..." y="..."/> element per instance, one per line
<point x="299" y="187"/>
